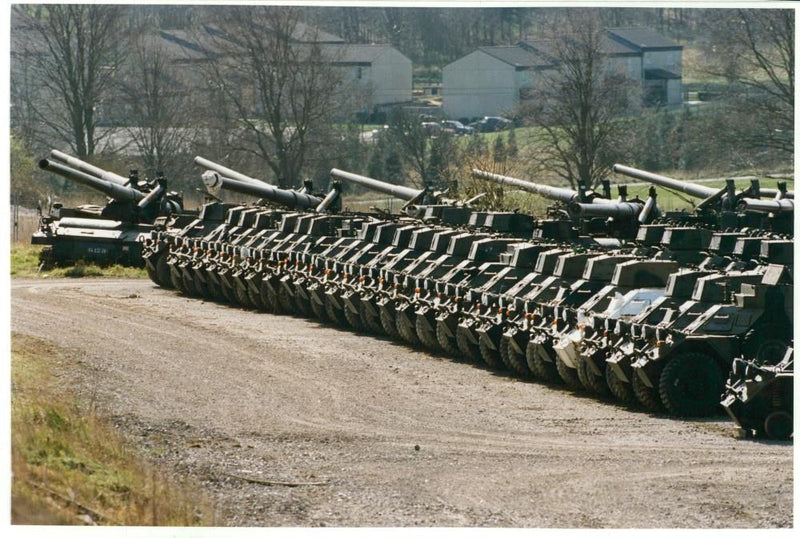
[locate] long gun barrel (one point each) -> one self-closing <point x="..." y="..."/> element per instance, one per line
<point x="692" y="189"/>
<point x="113" y="190"/>
<point x="612" y="210"/>
<point x="398" y="191"/>
<point x="766" y="206"/>
<point x="552" y="193"/>
<point x="227" y="172"/>
<point x="89" y="168"/>
<point x="291" y="199"/>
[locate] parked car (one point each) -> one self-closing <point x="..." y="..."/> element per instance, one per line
<point x="456" y="127"/>
<point x="431" y="127"/>
<point x="490" y="124"/>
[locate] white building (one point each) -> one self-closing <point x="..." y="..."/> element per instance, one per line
<point x="492" y="81"/>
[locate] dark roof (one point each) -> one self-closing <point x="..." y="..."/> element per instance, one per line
<point x="517" y="56"/>
<point x="658" y="73"/>
<point x="303" y="33"/>
<point x="642" y="38"/>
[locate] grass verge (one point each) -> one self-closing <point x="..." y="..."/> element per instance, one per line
<point x="25" y="263"/>
<point x="69" y="466"/>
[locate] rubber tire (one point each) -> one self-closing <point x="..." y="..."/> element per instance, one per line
<point x="515" y="360"/>
<point x="425" y="335"/>
<point x="301" y="305"/>
<point x="621" y="390"/>
<point x="335" y="315"/>
<point x="541" y="369"/>
<point x="318" y="310"/>
<point x="647" y="396"/>
<point x="257" y="300"/>
<point x="152" y="273"/>
<point x="389" y="325"/>
<point x="596" y="384"/>
<point x="568" y="375"/>
<point x="691" y="385"/>
<point x="162" y="269"/>
<point x="490" y="356"/>
<point x="406" y="331"/>
<point x="175" y="278"/>
<point x="242" y="297"/>
<point x="371" y="323"/>
<point x="469" y="351"/>
<point x="353" y="319"/>
<point x="779" y="425"/>
<point x="447" y="343"/>
<point x="270" y="298"/>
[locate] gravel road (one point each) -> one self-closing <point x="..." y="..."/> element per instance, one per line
<point x="287" y="422"/>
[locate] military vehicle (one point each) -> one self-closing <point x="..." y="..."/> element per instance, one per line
<point x="106" y="235"/>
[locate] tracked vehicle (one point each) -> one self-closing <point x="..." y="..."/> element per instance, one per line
<point x="106" y="235"/>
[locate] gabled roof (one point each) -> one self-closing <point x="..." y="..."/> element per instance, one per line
<point x="361" y="54"/>
<point x="642" y="39"/>
<point x="517" y="56"/>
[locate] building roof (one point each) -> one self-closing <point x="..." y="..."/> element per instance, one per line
<point x="641" y="39"/>
<point x="355" y="53"/>
<point x="517" y="56"/>
<point x="659" y="74"/>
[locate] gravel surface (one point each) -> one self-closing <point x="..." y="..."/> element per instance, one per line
<point x="287" y="422"/>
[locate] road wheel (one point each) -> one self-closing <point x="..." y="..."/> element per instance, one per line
<point x="388" y="324"/>
<point x="162" y="270"/>
<point x="406" y="330"/>
<point x="541" y="369"/>
<point x="175" y="278"/>
<point x="513" y="359"/>
<point x="621" y="390"/>
<point x="469" y="351"/>
<point x="490" y="356"/>
<point x="353" y="319"/>
<point x="426" y="335"/>
<point x="592" y="382"/>
<point x="46" y="261"/>
<point x="152" y="272"/>
<point x="269" y="297"/>
<point x="318" y="310"/>
<point x="370" y="322"/>
<point x="691" y="385"/>
<point x="255" y="298"/>
<point x="334" y="313"/>
<point x="302" y="306"/>
<point x="447" y="343"/>
<point x="568" y="375"/>
<point x="647" y="396"/>
<point x="241" y="296"/>
<point x="779" y="425"/>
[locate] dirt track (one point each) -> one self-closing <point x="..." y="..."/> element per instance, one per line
<point x="226" y="395"/>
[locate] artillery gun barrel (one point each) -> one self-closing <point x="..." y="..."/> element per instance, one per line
<point x="152" y="195"/>
<point x="227" y="172"/>
<point x="692" y="189"/>
<point x="766" y="206"/>
<point x="329" y="199"/>
<point x="404" y="193"/>
<point x="113" y="190"/>
<point x="612" y="210"/>
<point x="291" y="199"/>
<point x="553" y="193"/>
<point x="89" y="168"/>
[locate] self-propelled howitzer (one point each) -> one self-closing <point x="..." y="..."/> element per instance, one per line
<point x="107" y="235"/>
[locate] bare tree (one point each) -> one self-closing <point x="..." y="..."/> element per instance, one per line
<point x="74" y="51"/>
<point x="754" y="51"/>
<point x="295" y="88"/>
<point x="577" y="105"/>
<point x="160" y="109"/>
<point x="428" y="151"/>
